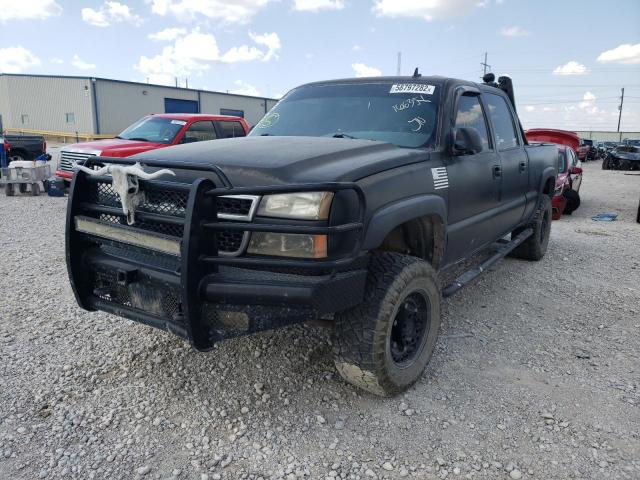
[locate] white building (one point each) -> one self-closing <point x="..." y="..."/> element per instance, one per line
<point x="89" y="106"/>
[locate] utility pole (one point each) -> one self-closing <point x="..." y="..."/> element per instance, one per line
<point x="485" y="65"/>
<point x="399" y="63"/>
<point x="620" y="108"/>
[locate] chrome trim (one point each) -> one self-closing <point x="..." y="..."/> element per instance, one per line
<point x="243" y="218"/>
<point x="255" y="201"/>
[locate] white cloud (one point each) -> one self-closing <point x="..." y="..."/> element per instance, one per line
<point x="514" y="31"/>
<point x="80" y="64"/>
<point x="16" y="59"/>
<point x="57" y="61"/>
<point x="237" y="11"/>
<point x="194" y="53"/>
<point x="529" y="108"/>
<point x="356" y="48"/>
<point x="110" y="12"/>
<point x="426" y="9"/>
<point x="31" y="9"/>
<point x="570" y="68"/>
<point x="269" y="40"/>
<point x="245" y="89"/>
<point x="242" y="53"/>
<point x="167" y="35"/>
<point x="362" y="70"/>
<point x="588" y="96"/>
<point x="626" y="53"/>
<point x="315" y="5"/>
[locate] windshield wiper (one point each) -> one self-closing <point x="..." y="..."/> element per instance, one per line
<point x="344" y="135"/>
<point x="118" y="136"/>
<point x="266" y="134"/>
<point x="139" y="139"/>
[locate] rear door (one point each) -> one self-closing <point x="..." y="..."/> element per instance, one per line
<point x="474" y="188"/>
<point x="513" y="159"/>
<point x="199" y="131"/>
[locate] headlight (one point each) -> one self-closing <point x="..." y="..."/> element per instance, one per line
<point x="300" y="206"/>
<point x="288" y="245"/>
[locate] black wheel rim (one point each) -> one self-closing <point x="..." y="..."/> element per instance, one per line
<point x="410" y="325"/>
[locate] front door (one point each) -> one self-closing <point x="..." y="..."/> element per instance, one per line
<point x="474" y="185"/>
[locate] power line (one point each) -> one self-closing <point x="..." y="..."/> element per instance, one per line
<point x="485" y="65"/>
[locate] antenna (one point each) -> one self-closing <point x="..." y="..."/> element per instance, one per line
<point x="416" y="74"/>
<point x="399" y="63"/>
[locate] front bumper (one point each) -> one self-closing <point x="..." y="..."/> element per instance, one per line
<point x="180" y="283"/>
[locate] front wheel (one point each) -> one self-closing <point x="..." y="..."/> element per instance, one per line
<point x="384" y="344"/>
<point x="534" y="247"/>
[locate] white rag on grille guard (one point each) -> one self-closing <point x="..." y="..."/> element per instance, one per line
<point x="125" y="183"/>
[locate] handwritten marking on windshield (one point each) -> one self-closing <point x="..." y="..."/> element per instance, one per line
<point x="419" y="123"/>
<point x="269" y="120"/>
<point x="410" y="103"/>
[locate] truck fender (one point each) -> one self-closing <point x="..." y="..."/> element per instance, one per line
<point x="385" y="219"/>
<point x="547" y="173"/>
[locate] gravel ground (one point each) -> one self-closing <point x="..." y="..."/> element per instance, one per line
<point x="536" y="374"/>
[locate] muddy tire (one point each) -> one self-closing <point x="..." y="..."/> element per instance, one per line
<point x="534" y="247"/>
<point x="384" y="344"/>
<point x="573" y="201"/>
<point x="605" y="164"/>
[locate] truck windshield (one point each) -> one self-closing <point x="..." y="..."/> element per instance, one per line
<point x="404" y="114"/>
<point x="153" y="129"/>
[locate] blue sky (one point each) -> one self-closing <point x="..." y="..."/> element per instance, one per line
<point x="568" y="59"/>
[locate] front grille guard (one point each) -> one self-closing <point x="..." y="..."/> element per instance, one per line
<point x="199" y="253"/>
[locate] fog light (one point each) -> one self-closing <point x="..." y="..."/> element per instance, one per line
<point x="288" y="245"/>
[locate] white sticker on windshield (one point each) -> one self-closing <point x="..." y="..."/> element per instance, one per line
<point x="178" y="122"/>
<point x="412" y="88"/>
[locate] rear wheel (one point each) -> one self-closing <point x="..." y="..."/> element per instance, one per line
<point x="384" y="344"/>
<point x="534" y="247"/>
<point x="605" y="164"/>
<point x="573" y="201"/>
<point x="22" y="187"/>
<point x="35" y="189"/>
<point x="8" y="190"/>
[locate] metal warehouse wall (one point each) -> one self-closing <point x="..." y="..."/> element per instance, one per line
<point x="120" y="103"/>
<point x="601" y="136"/>
<point x="44" y="102"/>
<point x="254" y="108"/>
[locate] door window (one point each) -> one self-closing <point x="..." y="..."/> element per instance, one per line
<point x="471" y="114"/>
<point x="503" y="124"/>
<point x="199" y="132"/>
<point x="231" y="129"/>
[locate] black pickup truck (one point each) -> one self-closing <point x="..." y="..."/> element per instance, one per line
<point x="25" y="147"/>
<point x="345" y="203"/>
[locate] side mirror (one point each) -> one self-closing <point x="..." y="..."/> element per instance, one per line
<point x="576" y="171"/>
<point x="467" y="141"/>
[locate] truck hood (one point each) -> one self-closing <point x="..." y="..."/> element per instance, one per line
<point x="251" y="161"/>
<point x="112" y="147"/>
<point x="622" y="155"/>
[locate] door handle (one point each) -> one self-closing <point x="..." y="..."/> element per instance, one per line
<point x="497" y="171"/>
<point x="523" y="166"/>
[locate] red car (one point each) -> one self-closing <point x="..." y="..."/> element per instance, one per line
<point x="566" y="198"/>
<point x="152" y="132"/>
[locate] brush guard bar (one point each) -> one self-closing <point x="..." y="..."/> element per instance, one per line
<point x="197" y="293"/>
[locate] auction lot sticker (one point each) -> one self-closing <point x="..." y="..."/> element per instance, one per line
<point x="412" y="88"/>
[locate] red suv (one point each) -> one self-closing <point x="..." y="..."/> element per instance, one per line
<point x="152" y="132"/>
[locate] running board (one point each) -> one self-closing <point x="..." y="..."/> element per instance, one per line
<point x="502" y="249"/>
